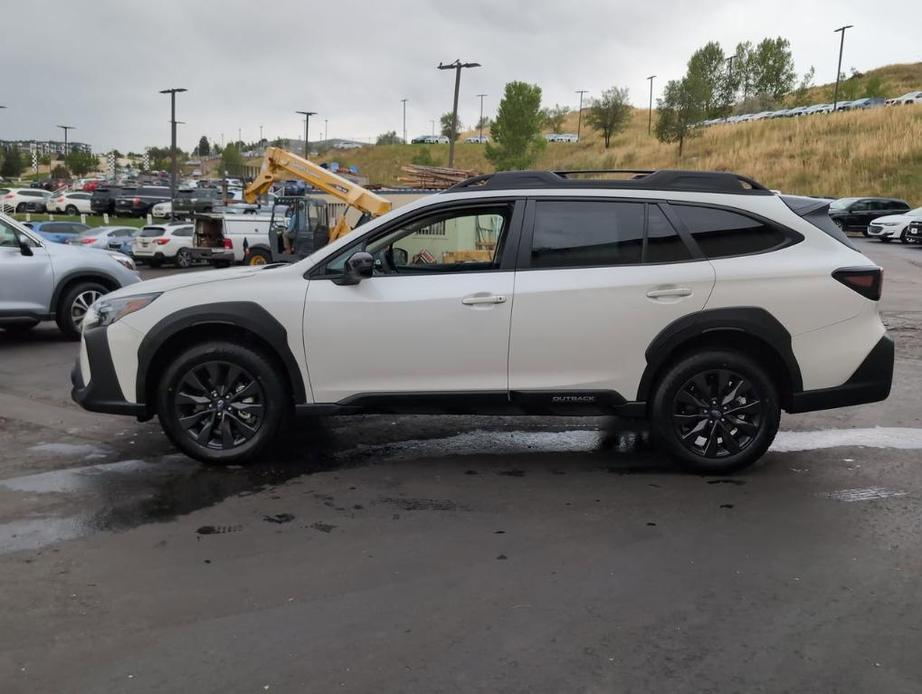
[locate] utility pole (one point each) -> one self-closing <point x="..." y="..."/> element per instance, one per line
<point x="326" y="129"/>
<point x="650" y="113"/>
<point x="579" y="117"/>
<point x="260" y="133"/>
<point x="172" y="93"/>
<point x="841" y="31"/>
<point x="307" y="119"/>
<point x="65" y="128"/>
<point x="404" y="120"/>
<point x="457" y="66"/>
<point x="480" y="122"/>
<point x="433" y="126"/>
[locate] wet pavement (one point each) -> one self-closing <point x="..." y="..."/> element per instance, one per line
<point x="460" y="553"/>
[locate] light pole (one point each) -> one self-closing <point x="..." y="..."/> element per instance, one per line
<point x="65" y="128"/>
<point x="260" y="134"/>
<point x="172" y="93"/>
<point x="457" y="66"/>
<point x="404" y="101"/>
<point x="841" y="31"/>
<point x="650" y="113"/>
<point x="307" y="120"/>
<point x="433" y="126"/>
<point x="579" y="117"/>
<point x="326" y="129"/>
<point x="480" y="122"/>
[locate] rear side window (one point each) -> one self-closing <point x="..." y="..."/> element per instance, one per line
<point x="663" y="243"/>
<point x="586" y="234"/>
<point x="721" y="233"/>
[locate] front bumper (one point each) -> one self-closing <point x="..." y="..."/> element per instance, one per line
<point x="102" y="393"/>
<point x="870" y="383"/>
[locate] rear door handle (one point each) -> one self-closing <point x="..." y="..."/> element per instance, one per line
<point x="673" y="291"/>
<point x="476" y="299"/>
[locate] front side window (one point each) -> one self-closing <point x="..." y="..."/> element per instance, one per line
<point x="467" y="240"/>
<point x="9" y="237"/>
<point x="582" y="233"/>
<point x="722" y="233"/>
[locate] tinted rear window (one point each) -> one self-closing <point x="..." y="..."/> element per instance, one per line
<point x="154" y="191"/>
<point x="585" y="234"/>
<point x="149" y="232"/>
<point x="722" y="233"/>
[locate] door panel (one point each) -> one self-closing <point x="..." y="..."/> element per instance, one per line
<point x="588" y="328"/>
<point x="388" y="334"/>
<point x="26" y="282"/>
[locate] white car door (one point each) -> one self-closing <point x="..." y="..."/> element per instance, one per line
<point x="602" y="278"/>
<point x="432" y="320"/>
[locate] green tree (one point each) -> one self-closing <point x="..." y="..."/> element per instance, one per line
<point x="445" y="125"/>
<point x="801" y="95"/>
<point x="60" y="172"/>
<point x="45" y="160"/>
<point x="232" y="160"/>
<point x="773" y="74"/>
<point x="874" y="87"/>
<point x="516" y="131"/>
<point x="849" y="88"/>
<point x="483" y="123"/>
<point x="12" y="163"/>
<point x="423" y="157"/>
<point x="81" y="163"/>
<point x="554" y="116"/>
<point x="708" y="67"/>
<point x="740" y="72"/>
<point x="204" y="148"/>
<point x="678" y="111"/>
<point x="609" y="114"/>
<point x="389" y="138"/>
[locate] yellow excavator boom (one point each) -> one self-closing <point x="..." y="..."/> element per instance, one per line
<point x="280" y="165"/>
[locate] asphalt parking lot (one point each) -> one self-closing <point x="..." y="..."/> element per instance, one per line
<point x="440" y="554"/>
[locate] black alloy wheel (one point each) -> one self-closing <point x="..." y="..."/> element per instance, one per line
<point x="219" y="405"/>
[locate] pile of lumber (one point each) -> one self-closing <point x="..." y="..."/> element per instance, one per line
<point x="433" y="176"/>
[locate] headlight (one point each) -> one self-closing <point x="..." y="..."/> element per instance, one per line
<point x="123" y="260"/>
<point x="887" y="224"/>
<point x="107" y="311"/>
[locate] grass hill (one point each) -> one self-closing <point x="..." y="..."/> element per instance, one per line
<point x="874" y="152"/>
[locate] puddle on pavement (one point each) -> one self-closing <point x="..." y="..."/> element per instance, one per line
<point x="904" y="438"/>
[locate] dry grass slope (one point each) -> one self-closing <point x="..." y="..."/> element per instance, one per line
<point x="875" y="152"/>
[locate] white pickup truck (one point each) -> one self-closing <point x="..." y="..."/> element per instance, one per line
<point x="223" y="239"/>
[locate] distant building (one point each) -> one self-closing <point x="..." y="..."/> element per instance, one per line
<point x="44" y="147"/>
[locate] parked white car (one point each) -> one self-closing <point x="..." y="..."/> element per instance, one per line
<point x="477" y="140"/>
<point x="348" y="145"/>
<point x="894" y="226"/>
<point x="162" y="210"/>
<point x="907" y="98"/>
<point x="166" y="243"/>
<point x="701" y="301"/>
<point x="561" y="137"/>
<point x="72" y="203"/>
<point x="430" y="140"/>
<point x="24" y="200"/>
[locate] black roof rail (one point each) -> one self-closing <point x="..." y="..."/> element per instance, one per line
<point x="643" y="179"/>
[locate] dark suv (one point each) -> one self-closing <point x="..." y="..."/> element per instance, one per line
<point x="196" y="200"/>
<point x="137" y="202"/>
<point x="857" y="213"/>
<point x="102" y="200"/>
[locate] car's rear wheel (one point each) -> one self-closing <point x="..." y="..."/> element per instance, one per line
<point x="220" y="402"/>
<point x="71" y="210"/>
<point x="154" y="262"/>
<point x="21" y="207"/>
<point x="885" y="239"/>
<point x="74" y="304"/>
<point x="715" y="412"/>
<point x="183" y="258"/>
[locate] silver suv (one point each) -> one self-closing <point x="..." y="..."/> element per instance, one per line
<point x="52" y="281"/>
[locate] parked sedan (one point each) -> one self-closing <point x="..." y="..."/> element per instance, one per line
<point x="908" y="98"/>
<point x="70" y="203"/>
<point x="894" y="226"/>
<point x="858" y="213"/>
<point x="24" y="200"/>
<point x="110" y="238"/>
<point x="57" y="232"/>
<point x="477" y="140"/>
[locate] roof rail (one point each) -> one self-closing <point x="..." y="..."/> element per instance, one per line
<point x="643" y="179"/>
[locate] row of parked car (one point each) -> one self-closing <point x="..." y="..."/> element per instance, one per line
<point x="914" y="97"/>
<point x="885" y="219"/>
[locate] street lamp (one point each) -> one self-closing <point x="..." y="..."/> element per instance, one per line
<point x="433" y="126"/>
<point x="65" y="128"/>
<point x="172" y="92"/>
<point x="579" y="117"/>
<point x="480" y="122"/>
<point x="841" y="31"/>
<point x="650" y="113"/>
<point x="404" y="101"/>
<point x="457" y="66"/>
<point x="307" y="119"/>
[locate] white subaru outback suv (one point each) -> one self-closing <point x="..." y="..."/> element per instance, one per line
<point x="699" y="300"/>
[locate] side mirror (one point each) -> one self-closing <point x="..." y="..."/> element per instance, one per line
<point x="358" y="267"/>
<point x="25" y="248"/>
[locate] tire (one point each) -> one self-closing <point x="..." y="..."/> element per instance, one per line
<point x="684" y="403"/>
<point x="21" y="207"/>
<point x="74" y="304"/>
<point x="904" y="238"/>
<point x="193" y="386"/>
<point x="71" y="210"/>
<point x="258" y="256"/>
<point x="183" y="258"/>
<point x="885" y="239"/>
<point x="154" y="262"/>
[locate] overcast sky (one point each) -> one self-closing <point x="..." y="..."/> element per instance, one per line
<point x="98" y="65"/>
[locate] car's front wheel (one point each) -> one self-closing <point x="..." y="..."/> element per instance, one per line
<point x="715" y="412"/>
<point x="221" y="402"/>
<point x="74" y="304"/>
<point x="71" y="210"/>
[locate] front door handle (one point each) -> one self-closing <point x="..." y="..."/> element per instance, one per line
<point x="672" y="291"/>
<point x="476" y="299"/>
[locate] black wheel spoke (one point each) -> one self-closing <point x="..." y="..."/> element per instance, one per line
<point x="744" y="426"/>
<point x="227" y="437"/>
<point x="728" y="440"/>
<point x="183" y="398"/>
<point x="705" y="391"/>
<point x="245" y="428"/>
<point x="204" y="436"/>
<point x="748" y="408"/>
<point x="723" y="381"/>
<point x="710" y="448"/>
<point x="246" y="407"/>
<point x="193" y="380"/>
<point x="687" y="398"/>
<point x="695" y="431"/>
<point x="245" y="392"/>
<point x="194" y="418"/>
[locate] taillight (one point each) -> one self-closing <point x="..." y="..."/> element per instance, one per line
<point x="136" y="201"/>
<point x="9" y="196"/>
<point x="867" y="281"/>
<point x="88" y="240"/>
<point x="161" y="242"/>
<point x="228" y="244"/>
